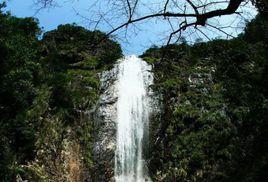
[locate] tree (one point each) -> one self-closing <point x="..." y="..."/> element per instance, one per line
<point x="45" y="87"/>
<point x="179" y="15"/>
<point x="210" y="124"/>
<point x="19" y="68"/>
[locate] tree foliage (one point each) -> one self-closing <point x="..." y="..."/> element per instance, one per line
<point x="214" y="121"/>
<point x="47" y="84"/>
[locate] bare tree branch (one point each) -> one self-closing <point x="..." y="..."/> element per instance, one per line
<point x="193" y="6"/>
<point x="184" y="14"/>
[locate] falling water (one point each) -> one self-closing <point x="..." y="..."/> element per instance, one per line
<point x="132" y="119"/>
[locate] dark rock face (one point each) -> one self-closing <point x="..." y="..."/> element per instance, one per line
<point x="105" y="127"/>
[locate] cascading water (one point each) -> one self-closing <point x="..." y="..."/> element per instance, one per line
<point x="133" y="108"/>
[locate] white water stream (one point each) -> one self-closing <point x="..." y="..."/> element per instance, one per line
<point x="133" y="108"/>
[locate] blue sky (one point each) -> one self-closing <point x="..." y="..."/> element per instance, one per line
<point x="150" y="33"/>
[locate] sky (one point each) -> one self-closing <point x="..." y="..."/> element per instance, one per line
<point x="148" y="34"/>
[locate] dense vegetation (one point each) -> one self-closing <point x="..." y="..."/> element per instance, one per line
<point x="213" y="120"/>
<point x="213" y="125"/>
<point x="48" y="84"/>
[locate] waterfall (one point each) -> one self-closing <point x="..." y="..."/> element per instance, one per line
<point x="133" y="110"/>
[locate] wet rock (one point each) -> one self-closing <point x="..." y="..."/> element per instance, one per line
<point x="105" y="127"/>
